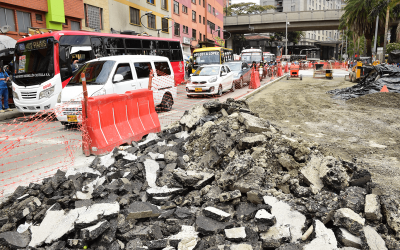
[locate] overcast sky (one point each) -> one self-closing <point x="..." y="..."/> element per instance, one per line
<point x="246" y="1"/>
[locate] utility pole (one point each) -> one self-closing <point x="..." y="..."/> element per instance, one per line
<point x="286" y="36"/>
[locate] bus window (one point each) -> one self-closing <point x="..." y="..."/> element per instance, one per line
<point x="75" y="40"/>
<point x="162" y="45"/>
<point x="97" y="46"/>
<point x="149" y="47"/>
<point x="163" y="52"/>
<point x="176" y="55"/>
<point x="133" y="46"/>
<point x="207" y="57"/>
<point x="134" y="52"/>
<point x="114" y="46"/>
<point x="175" y="45"/>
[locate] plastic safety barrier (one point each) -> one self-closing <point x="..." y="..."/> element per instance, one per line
<point x="115" y="119"/>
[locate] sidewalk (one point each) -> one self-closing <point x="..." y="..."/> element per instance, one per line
<point x="10" y="114"/>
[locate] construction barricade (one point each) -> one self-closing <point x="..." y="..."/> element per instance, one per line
<point x="255" y="80"/>
<point x="115" y="119"/>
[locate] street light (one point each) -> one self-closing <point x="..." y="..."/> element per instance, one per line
<point x="147" y="13"/>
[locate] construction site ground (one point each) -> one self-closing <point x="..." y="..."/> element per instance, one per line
<point x="365" y="129"/>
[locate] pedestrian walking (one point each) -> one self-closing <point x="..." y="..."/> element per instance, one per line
<point x="4" y="89"/>
<point x="189" y="68"/>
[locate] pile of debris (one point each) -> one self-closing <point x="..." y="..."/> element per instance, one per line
<point x="220" y="178"/>
<point x="378" y="76"/>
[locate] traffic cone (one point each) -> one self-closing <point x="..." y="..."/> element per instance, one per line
<point x="286" y="68"/>
<point x="384" y="89"/>
<point x="280" y="71"/>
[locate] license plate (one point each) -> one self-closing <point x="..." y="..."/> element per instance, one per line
<point x="72" y="118"/>
<point x="198" y="89"/>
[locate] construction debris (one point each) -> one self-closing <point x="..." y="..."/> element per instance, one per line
<point x="230" y="182"/>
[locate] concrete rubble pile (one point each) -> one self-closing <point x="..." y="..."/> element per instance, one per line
<point x="220" y="178"/>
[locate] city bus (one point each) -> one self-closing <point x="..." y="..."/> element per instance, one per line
<point x="211" y="55"/>
<point x="269" y="57"/>
<point x="43" y="62"/>
<point x="252" y="55"/>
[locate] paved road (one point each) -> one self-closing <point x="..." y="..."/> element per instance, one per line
<point x="34" y="149"/>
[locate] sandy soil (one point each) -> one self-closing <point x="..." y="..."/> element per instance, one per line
<point x="366" y="129"/>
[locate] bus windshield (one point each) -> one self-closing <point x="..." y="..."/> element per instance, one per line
<point x="206" y="57"/>
<point x="250" y="57"/>
<point x="96" y="73"/>
<point x="34" y="62"/>
<point x="207" y="71"/>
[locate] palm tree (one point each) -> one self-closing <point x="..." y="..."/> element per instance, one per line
<point x="357" y="19"/>
<point x="390" y="6"/>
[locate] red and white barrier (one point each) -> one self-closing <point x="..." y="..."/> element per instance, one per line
<point x="115" y="119"/>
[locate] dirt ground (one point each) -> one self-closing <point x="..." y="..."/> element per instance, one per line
<point x="365" y="129"/>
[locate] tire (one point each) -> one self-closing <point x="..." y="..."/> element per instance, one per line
<point x="233" y="87"/>
<point x="301" y="77"/>
<point x="167" y="102"/>
<point x="219" y="90"/>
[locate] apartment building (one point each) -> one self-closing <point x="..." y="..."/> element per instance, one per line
<point x="20" y="15"/>
<point x="197" y="22"/>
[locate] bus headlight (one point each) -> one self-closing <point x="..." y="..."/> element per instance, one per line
<point x="59" y="98"/>
<point x="213" y="79"/>
<point x="100" y="92"/>
<point x="15" y="95"/>
<point x="47" y="93"/>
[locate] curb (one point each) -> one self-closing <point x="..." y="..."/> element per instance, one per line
<point x="10" y="115"/>
<point x="247" y="96"/>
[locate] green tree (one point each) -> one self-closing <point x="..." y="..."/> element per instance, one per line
<point x="357" y="18"/>
<point x="293" y="36"/>
<point x="247" y="8"/>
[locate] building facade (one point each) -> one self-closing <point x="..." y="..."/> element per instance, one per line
<point x="197" y="23"/>
<point x="20" y="15"/>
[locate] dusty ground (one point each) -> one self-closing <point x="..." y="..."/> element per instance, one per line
<point x="366" y="128"/>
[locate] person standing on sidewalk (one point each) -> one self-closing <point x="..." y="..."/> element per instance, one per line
<point x="4" y="89"/>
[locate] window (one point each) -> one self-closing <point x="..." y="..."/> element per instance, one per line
<point x="204" y="20"/>
<point x="75" y="25"/>
<point x="213" y="11"/>
<point x="150" y="1"/>
<point x="193" y="16"/>
<point x="199" y="2"/>
<point x="125" y="70"/>
<point x="209" y="8"/>
<point x="204" y="37"/>
<point x="162" y="68"/>
<point x="142" y="69"/>
<point x="164" y="25"/>
<point x="164" y="4"/>
<point x="184" y="9"/>
<point x="93" y="17"/>
<point x="212" y="25"/>
<point x="24" y="21"/>
<point x="185" y="29"/>
<point x="7" y="18"/>
<point x="133" y="46"/>
<point x="177" y="31"/>
<point x="39" y="17"/>
<point x="194" y="33"/>
<point x="114" y="46"/>
<point x="199" y="18"/>
<point x="199" y="36"/>
<point x="194" y="1"/>
<point x="135" y="16"/>
<point x="151" y="21"/>
<point x="219" y="31"/>
<point x="176" y="7"/>
<point x="293" y="8"/>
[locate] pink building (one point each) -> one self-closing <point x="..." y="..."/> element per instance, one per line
<point x="196" y="23"/>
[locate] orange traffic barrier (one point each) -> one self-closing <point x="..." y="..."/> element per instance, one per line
<point x="280" y="70"/>
<point x="286" y="68"/>
<point x="115" y="119"/>
<point x="384" y="89"/>
<point x="255" y="80"/>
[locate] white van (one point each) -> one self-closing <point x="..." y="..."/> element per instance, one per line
<point x="116" y="75"/>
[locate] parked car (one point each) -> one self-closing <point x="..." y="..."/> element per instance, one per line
<point x="211" y="79"/>
<point x="116" y="75"/>
<point x="241" y="73"/>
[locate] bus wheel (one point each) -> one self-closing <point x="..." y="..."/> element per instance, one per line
<point x="167" y="102"/>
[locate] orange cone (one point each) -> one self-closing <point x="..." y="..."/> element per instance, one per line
<point x="286" y="68"/>
<point x="384" y="89"/>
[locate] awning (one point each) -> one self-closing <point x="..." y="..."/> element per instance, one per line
<point x="7" y="42"/>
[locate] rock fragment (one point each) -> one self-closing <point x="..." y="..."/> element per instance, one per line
<point x="216" y="214"/>
<point x="324" y="238"/>
<point x="372" y="240"/>
<point x="348" y="239"/>
<point x="348" y="219"/>
<point x="235" y="234"/>
<point x="91" y="233"/>
<point x="372" y="207"/>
